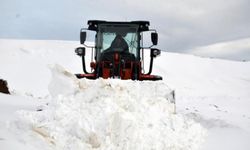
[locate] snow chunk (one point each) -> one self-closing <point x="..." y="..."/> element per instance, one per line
<point x="112" y="114"/>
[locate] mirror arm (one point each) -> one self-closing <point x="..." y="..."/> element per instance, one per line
<point x="89" y="46"/>
<point x="151" y="46"/>
<point x="83" y="65"/>
<point x="147" y="47"/>
<point x="151" y="65"/>
<point x="153" y="53"/>
<point x="152" y="30"/>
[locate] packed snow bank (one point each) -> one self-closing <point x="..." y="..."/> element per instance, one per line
<point x="111" y="114"/>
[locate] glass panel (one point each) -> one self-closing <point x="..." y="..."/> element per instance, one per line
<point x="108" y="35"/>
<point x="132" y="40"/>
<point x="107" y="40"/>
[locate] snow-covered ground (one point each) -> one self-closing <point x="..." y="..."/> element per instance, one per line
<point x="212" y="101"/>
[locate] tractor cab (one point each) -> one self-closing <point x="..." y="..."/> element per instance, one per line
<point x="118" y="50"/>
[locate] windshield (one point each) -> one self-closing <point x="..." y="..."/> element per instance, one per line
<point x="110" y="35"/>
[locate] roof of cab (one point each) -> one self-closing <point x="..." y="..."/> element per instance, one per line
<point x="143" y="25"/>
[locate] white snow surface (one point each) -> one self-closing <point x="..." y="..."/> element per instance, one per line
<point x="212" y="101"/>
<point x="112" y="114"/>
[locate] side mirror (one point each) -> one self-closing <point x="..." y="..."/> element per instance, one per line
<point x="80" y="51"/>
<point x="83" y="37"/>
<point x="154" y="38"/>
<point x="154" y="52"/>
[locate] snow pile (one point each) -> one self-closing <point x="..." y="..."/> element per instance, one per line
<point x="112" y="114"/>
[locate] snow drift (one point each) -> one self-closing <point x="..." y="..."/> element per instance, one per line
<point x="111" y="114"/>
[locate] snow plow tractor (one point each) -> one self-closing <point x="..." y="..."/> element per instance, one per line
<point x="118" y="50"/>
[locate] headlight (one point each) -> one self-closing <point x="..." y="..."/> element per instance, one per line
<point x="80" y="51"/>
<point x="155" y="52"/>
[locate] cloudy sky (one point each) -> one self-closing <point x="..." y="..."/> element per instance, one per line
<point x="213" y="28"/>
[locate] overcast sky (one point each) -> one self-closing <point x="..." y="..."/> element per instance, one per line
<point x="187" y="26"/>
